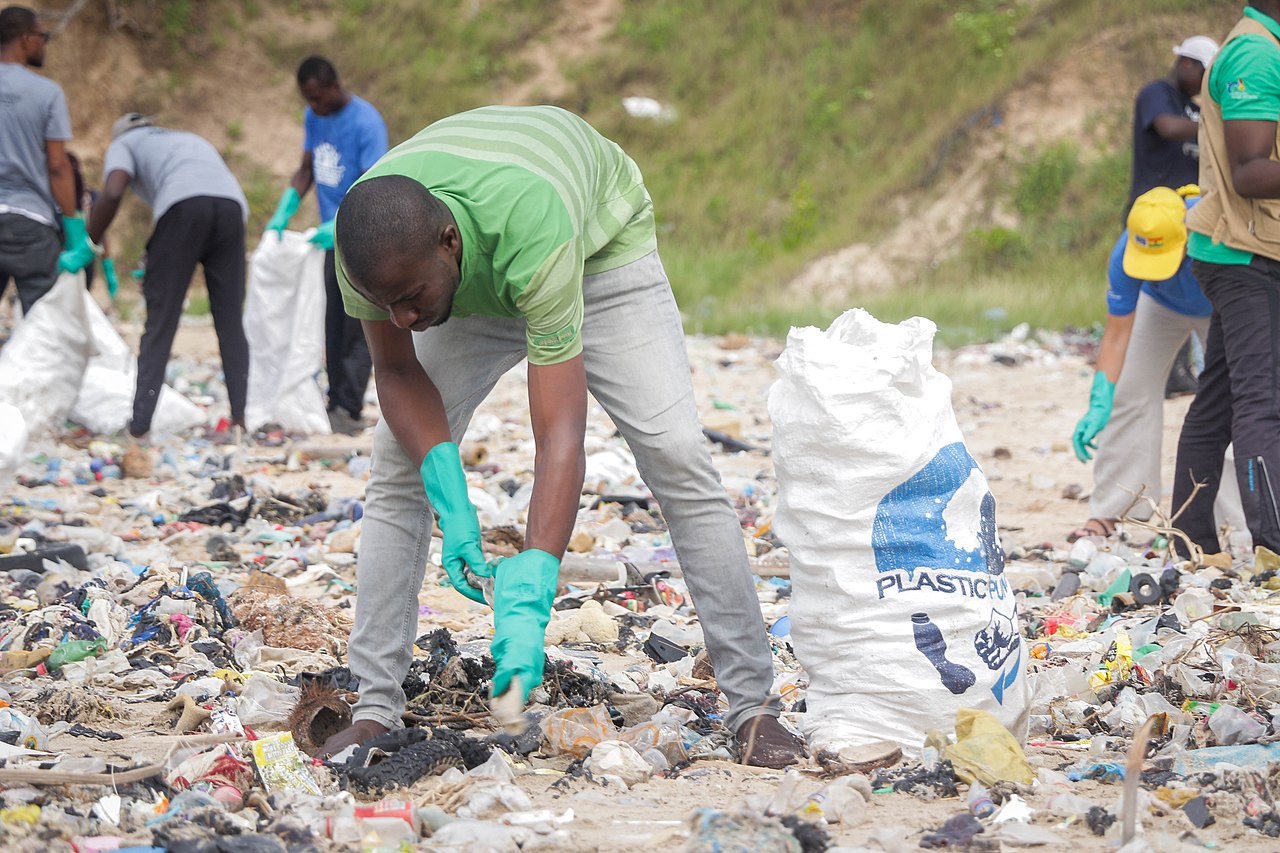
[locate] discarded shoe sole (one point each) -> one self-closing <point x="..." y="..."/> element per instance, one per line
<point x="860" y="759"/>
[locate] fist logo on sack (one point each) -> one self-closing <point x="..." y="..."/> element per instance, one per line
<point x="996" y="642"/>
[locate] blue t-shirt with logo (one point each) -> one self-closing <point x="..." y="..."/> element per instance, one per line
<point x="343" y="146"/>
<point x="1181" y="293"/>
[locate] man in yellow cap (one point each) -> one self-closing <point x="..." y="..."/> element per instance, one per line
<point x="1153" y="305"/>
<point x="1234" y="243"/>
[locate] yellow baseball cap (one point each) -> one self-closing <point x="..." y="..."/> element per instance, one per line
<point x="1157" y="235"/>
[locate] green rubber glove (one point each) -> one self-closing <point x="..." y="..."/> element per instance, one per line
<point x="1100" y="398"/>
<point x="323" y="236"/>
<point x="109" y="273"/>
<point x="446" y="486"/>
<point x="287" y="207"/>
<point x="77" y="251"/>
<point x="523" y="594"/>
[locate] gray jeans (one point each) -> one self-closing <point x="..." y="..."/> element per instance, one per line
<point x="1129" y="448"/>
<point x="29" y="255"/>
<point x="637" y="368"/>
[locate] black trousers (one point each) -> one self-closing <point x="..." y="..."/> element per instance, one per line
<point x="29" y="255"/>
<point x="208" y="231"/>
<point x="346" y="353"/>
<point x="1238" y="402"/>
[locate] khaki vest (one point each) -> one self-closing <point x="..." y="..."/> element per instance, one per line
<point x="1249" y="224"/>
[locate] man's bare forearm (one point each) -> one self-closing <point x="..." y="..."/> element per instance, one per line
<point x="558" y="409"/>
<point x="558" y="472"/>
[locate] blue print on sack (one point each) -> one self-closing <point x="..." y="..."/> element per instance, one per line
<point x="911" y="526"/>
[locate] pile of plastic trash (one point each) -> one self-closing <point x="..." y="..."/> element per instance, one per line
<point x="172" y="650"/>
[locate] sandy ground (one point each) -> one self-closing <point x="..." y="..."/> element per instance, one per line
<point x="1027" y="410"/>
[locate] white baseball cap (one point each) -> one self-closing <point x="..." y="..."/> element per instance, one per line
<point x="1200" y="48"/>
<point x="128" y="122"/>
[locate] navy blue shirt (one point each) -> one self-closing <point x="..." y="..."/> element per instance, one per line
<point x="1160" y="162"/>
<point x="343" y="146"/>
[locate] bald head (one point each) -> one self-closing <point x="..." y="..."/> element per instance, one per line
<point x="385" y="223"/>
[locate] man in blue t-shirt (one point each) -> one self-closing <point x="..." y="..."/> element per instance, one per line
<point x="1166" y="120"/>
<point x="1153" y="305"/>
<point x="345" y="135"/>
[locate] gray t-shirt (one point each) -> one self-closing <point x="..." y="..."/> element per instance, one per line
<point x="32" y="110"/>
<point x="167" y="166"/>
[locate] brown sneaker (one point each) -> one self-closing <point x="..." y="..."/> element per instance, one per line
<point x="764" y="742"/>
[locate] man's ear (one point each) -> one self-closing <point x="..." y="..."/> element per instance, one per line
<point x="450" y="239"/>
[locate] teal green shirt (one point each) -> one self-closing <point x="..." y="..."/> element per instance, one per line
<point x="541" y="199"/>
<point x="1245" y="81"/>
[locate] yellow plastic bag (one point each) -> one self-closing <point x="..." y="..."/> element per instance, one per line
<point x="985" y="751"/>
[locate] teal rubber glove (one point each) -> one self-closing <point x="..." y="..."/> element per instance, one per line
<point x="523" y="592"/>
<point x="446" y="486"/>
<point x="285" y="209"/>
<point x="77" y="251"/>
<point x="1100" y="399"/>
<point x="109" y="273"/>
<point x="323" y="236"/>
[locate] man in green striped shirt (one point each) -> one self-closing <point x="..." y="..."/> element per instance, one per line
<point x="492" y="236"/>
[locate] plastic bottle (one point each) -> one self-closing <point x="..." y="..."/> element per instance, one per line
<point x="980" y="803"/>
<point x="1082" y="552"/>
<point x="1105" y="566"/>
<point x="402" y="809"/>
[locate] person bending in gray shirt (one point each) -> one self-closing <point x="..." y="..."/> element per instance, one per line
<point x="37" y="191"/>
<point x="198" y="212"/>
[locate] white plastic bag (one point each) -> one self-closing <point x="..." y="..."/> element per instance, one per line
<point x="901" y="613"/>
<point x="42" y="365"/>
<point x="105" y="401"/>
<point x="284" y="322"/>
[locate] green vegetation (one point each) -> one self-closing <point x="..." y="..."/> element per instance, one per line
<point x="799" y="124"/>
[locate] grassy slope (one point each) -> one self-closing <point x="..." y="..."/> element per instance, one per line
<point x="799" y="121"/>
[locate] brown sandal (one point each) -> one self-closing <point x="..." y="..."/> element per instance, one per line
<point x="1099" y="527"/>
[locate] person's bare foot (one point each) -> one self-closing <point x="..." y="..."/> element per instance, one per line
<point x="355" y="734"/>
<point x="764" y="742"/>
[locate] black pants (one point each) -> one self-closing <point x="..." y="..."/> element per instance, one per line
<point x="29" y="255"/>
<point x="1238" y="402"/>
<point x="346" y="353"/>
<point x="208" y="231"/>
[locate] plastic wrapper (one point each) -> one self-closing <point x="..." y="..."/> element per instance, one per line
<point x="985" y="751"/>
<point x="281" y="767"/>
<point x="576" y="731"/>
<point x="265" y="702"/>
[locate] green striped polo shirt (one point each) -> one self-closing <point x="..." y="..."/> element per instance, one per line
<point x="541" y="199"/>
